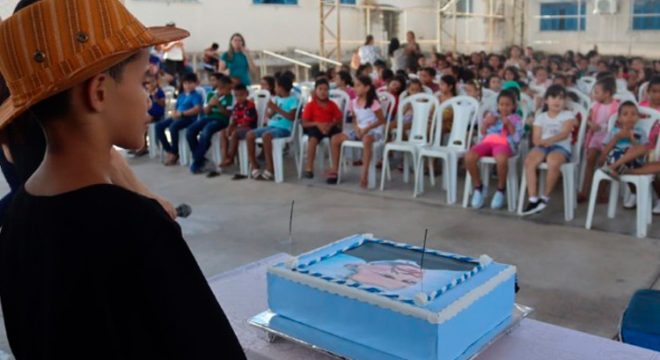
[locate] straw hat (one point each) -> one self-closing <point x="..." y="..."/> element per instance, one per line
<point x="53" y="45"/>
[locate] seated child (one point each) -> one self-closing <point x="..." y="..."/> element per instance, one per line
<point x="188" y="106"/>
<point x="243" y="119"/>
<point x="473" y="88"/>
<point x="217" y="110"/>
<point x="625" y="137"/>
<point x="369" y="121"/>
<point x="268" y="83"/>
<point x="156" y="107"/>
<point x="552" y="140"/>
<point x="321" y="119"/>
<point x="282" y="110"/>
<point x="501" y="132"/>
<point x="426" y="76"/>
<point x="345" y="83"/>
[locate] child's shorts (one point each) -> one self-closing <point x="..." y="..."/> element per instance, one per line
<point x="616" y="154"/>
<point x="492" y="149"/>
<point x="275" y="132"/>
<point x="315" y="132"/>
<point x="377" y="135"/>
<point x="553" y="148"/>
<point x="241" y="132"/>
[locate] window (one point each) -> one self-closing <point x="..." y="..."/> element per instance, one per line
<point x="563" y="16"/>
<point x="646" y="15"/>
<point x="465" y="6"/>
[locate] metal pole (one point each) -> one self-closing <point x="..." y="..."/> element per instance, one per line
<point x="438" y="29"/>
<point x="322" y="34"/>
<point x="455" y="45"/>
<point x="492" y="25"/>
<point x="368" y="22"/>
<point x="338" y="11"/>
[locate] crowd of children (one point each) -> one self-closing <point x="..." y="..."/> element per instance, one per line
<point x="549" y="127"/>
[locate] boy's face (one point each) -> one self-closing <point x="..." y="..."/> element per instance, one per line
<point x="414" y="88"/>
<point x="541" y="75"/>
<point x="280" y="90"/>
<point x="495" y="84"/>
<point x="126" y="105"/>
<point x="213" y="82"/>
<point x="241" y="96"/>
<point x="224" y="89"/>
<point x="394" y="87"/>
<point x="322" y="92"/>
<point x="189" y="86"/>
<point x="654" y="95"/>
<point x="485" y="73"/>
<point x="628" y="117"/>
<point x="425" y="78"/>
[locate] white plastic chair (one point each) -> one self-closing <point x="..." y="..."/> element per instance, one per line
<point x="641" y="182"/>
<point x="342" y="100"/>
<point x="643" y="92"/>
<point x="261" y="98"/>
<point x="586" y="84"/>
<point x="487" y="95"/>
<point x="621" y="85"/>
<point x="424" y="107"/>
<point x="279" y="144"/>
<point x="387" y="102"/>
<point x="583" y="99"/>
<point x="466" y="110"/>
<point x="624" y="96"/>
<point x="569" y="171"/>
<point x="427" y="90"/>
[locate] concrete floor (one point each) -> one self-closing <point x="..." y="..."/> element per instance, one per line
<point x="573" y="277"/>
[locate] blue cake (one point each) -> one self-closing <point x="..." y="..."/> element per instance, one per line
<point x="366" y="298"/>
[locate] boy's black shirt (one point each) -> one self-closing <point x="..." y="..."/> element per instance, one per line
<point x="104" y="273"/>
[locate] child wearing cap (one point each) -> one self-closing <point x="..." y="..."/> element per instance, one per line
<point x="88" y="269"/>
<point x="188" y="107"/>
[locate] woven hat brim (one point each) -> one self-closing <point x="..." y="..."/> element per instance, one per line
<point x="161" y="34"/>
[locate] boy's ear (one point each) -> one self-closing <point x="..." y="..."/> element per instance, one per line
<point x="96" y="92"/>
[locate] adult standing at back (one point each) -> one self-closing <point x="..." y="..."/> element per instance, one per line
<point x="174" y="55"/>
<point x="397" y="55"/>
<point x="369" y="52"/>
<point x="237" y="62"/>
<point x="412" y="51"/>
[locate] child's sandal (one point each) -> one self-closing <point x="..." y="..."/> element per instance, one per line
<point x="267" y="176"/>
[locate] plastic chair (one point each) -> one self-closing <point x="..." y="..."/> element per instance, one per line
<point x="641" y="182"/>
<point x="387" y="102"/>
<point x="152" y="140"/>
<point x="586" y="84"/>
<point x="427" y="90"/>
<point x="624" y="96"/>
<point x="583" y="100"/>
<point x="424" y="107"/>
<point x="643" y="92"/>
<point x="281" y="143"/>
<point x="569" y="171"/>
<point x="621" y="85"/>
<point x="261" y="99"/>
<point x="342" y="100"/>
<point x="466" y="110"/>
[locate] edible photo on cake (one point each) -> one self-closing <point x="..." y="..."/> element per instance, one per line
<point x="392" y="270"/>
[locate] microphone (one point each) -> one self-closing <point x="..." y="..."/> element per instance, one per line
<point x="183" y="211"/>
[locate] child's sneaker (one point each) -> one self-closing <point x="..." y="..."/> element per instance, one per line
<point x="477" y="199"/>
<point x="630" y="201"/>
<point x="498" y="201"/>
<point x="535" y="207"/>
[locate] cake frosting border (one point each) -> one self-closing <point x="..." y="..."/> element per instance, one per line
<point x="409" y="307"/>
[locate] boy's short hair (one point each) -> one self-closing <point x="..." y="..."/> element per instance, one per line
<point x="387" y="75"/>
<point x="655" y="80"/>
<point x="539" y="68"/>
<point x="555" y="91"/>
<point x="240" y="87"/>
<point x="627" y="103"/>
<point x="285" y="82"/>
<point x="429" y="70"/>
<point x="321" y="82"/>
<point x="225" y="80"/>
<point x="217" y="75"/>
<point x="380" y="63"/>
<point x="215" y="46"/>
<point x="190" y="77"/>
<point x="608" y="84"/>
<point x="288" y="74"/>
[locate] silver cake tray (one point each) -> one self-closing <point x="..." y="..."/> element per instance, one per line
<point x="267" y="322"/>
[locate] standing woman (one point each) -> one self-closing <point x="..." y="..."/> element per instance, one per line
<point x="412" y="51"/>
<point x="369" y="53"/>
<point x="237" y="61"/>
<point x="174" y="54"/>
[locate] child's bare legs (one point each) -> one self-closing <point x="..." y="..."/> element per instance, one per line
<point x="592" y="162"/>
<point x="471" y="164"/>
<point x="555" y="160"/>
<point x="224" y="146"/>
<point x="648" y="169"/>
<point x="335" y="144"/>
<point x="268" y="150"/>
<point x="502" y="163"/>
<point x="533" y="160"/>
<point x="251" y="139"/>
<point x="368" y="142"/>
<point x="233" y="145"/>
<point x="311" y="153"/>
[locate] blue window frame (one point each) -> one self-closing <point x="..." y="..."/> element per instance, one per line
<point x="563" y="16"/>
<point x="646" y="15"/>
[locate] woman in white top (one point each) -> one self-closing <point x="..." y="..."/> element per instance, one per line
<point x="368" y="52"/>
<point x="174" y="55"/>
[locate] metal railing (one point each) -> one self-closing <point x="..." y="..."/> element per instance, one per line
<point x="322" y="59"/>
<point x="298" y="64"/>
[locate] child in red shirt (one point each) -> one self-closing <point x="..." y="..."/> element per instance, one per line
<point x="321" y="119"/>
<point x="243" y="119"/>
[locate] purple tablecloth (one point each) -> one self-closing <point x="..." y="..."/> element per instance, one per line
<point x="242" y="294"/>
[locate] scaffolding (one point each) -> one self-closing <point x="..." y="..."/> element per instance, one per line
<point x="446" y="14"/>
